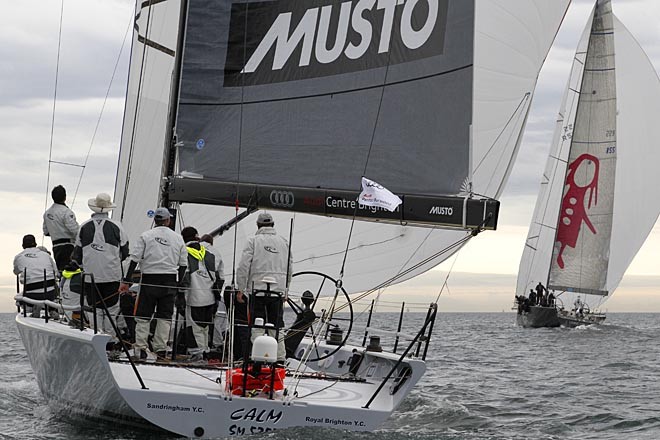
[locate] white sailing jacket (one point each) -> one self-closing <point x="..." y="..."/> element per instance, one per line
<point x="160" y="251"/>
<point x="101" y="246"/>
<point x="60" y="223"/>
<point x="265" y="255"/>
<point x="199" y="279"/>
<point x="219" y="264"/>
<point x="30" y="265"/>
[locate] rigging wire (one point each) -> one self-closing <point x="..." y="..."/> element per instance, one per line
<point x="52" y="121"/>
<point x="240" y="145"/>
<point x="366" y="163"/>
<point x="105" y="100"/>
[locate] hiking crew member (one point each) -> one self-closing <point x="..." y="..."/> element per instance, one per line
<point x="203" y="287"/>
<point x="61" y="226"/>
<point x="100" y="248"/>
<point x="266" y="254"/>
<point x="37" y="272"/>
<point x="162" y="256"/>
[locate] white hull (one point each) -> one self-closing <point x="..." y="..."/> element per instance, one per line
<point x="73" y="371"/>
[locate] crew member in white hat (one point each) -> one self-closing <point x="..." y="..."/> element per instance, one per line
<point x="101" y="246"/>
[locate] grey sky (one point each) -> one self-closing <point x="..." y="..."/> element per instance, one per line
<point x="93" y="31"/>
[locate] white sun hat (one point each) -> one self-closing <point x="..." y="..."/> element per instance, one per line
<point x="101" y="203"/>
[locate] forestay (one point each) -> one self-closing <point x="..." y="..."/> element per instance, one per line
<point x="495" y="73"/>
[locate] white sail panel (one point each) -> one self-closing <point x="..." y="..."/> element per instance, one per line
<point x="636" y="202"/>
<point x="145" y="118"/>
<point x="377" y="253"/>
<point x="535" y="261"/>
<point x="582" y="241"/>
<point x="512" y="39"/>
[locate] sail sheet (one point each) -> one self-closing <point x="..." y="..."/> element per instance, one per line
<point x="634" y="207"/>
<point x="511" y="40"/>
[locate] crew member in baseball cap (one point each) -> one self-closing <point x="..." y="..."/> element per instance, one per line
<point x="163" y="259"/>
<point x="266" y="255"/>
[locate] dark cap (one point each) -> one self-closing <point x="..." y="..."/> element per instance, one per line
<point x="189" y="234"/>
<point x="29" y="241"/>
<point x="162" y="214"/>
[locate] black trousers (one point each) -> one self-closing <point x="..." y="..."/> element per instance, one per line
<point x="62" y="255"/>
<point x="270" y="308"/>
<point x="156" y="294"/>
<point x="107" y="291"/>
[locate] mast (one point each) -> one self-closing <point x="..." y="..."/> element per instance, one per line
<point x="171" y="139"/>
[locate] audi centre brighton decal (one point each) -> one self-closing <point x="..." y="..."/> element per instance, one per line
<point x="292" y="39"/>
<point x="282" y="199"/>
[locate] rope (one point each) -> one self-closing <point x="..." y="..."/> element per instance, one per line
<point x="52" y="121"/>
<point x="366" y="162"/>
<point x="240" y="147"/>
<point x="98" y="122"/>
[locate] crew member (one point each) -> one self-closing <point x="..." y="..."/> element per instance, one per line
<point x="70" y="289"/>
<point x="163" y="258"/>
<point x="203" y="286"/>
<point x="540" y="288"/>
<point x="61" y="226"/>
<point x="101" y="246"/>
<point x="220" y="320"/>
<point x="37" y="272"/>
<point x="266" y="255"/>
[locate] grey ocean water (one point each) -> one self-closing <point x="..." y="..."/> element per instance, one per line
<point x="486" y="379"/>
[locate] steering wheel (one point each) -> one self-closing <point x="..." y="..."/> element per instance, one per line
<point x="328" y="288"/>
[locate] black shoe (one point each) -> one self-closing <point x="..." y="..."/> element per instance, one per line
<point x="162" y="354"/>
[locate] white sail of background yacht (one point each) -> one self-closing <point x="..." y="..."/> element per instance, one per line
<point x="452" y="113"/>
<point x="597" y="205"/>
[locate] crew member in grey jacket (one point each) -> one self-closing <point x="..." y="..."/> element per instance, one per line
<point x="203" y="286"/>
<point x="101" y="246"/>
<point x="163" y="258"/>
<point x="266" y="255"/>
<point x="61" y="226"/>
<point x="37" y="272"/>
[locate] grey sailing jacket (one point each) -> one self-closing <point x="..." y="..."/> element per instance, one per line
<point x="30" y="265"/>
<point x="265" y="255"/>
<point x="60" y="223"/>
<point x="219" y="264"/>
<point x="101" y="246"/>
<point x="160" y="251"/>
